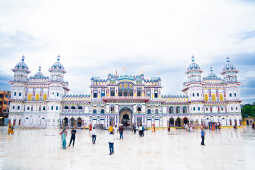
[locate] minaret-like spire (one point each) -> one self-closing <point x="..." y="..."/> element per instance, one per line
<point x="211" y="69"/>
<point x="193" y="59"/>
<point x="227" y="59"/>
<point x="58" y="58"/>
<point x="23" y="58"/>
<point x="39" y="69"/>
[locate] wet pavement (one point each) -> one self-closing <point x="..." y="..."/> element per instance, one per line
<point x="33" y="149"/>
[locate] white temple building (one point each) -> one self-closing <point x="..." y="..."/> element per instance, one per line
<point x="44" y="102"/>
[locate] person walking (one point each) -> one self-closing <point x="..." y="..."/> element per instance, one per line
<point x="72" y="139"/>
<point x="63" y="134"/>
<point x="202" y="136"/>
<point x="111" y="143"/>
<point x="140" y="131"/>
<point x="153" y="128"/>
<point x="93" y="135"/>
<point x="121" y="129"/>
<point x="90" y="127"/>
<point x="143" y="130"/>
<point x="110" y="129"/>
<point x="134" y="129"/>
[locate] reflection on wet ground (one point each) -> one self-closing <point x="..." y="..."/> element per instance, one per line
<point x="33" y="149"/>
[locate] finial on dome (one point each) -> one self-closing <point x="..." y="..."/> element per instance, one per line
<point x="39" y="68"/>
<point x="228" y="59"/>
<point x="23" y="58"/>
<point x="193" y="59"/>
<point x="211" y="69"/>
<point x="58" y="58"/>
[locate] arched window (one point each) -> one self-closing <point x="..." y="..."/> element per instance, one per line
<point x="156" y="111"/>
<point x="184" y="109"/>
<point x="73" y="107"/>
<point x="197" y="94"/>
<point x="18" y="107"/>
<point x="102" y="111"/>
<point x="178" y="109"/>
<point x="28" y="107"/>
<point x="112" y="108"/>
<point x="149" y="111"/>
<point x="66" y="107"/>
<point x="193" y="94"/>
<point x="230" y="94"/>
<point x="80" y="107"/>
<point x="139" y="109"/>
<point x="171" y="109"/>
<point x="94" y="111"/>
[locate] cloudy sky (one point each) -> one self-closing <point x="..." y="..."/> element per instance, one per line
<point x="154" y="37"/>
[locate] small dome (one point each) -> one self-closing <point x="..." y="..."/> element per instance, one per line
<point x="193" y="65"/>
<point x="21" y="66"/>
<point x="229" y="66"/>
<point x="39" y="75"/>
<point x="212" y="75"/>
<point x="57" y="66"/>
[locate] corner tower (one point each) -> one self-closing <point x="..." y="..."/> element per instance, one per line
<point x="21" y="71"/>
<point x="57" y="71"/>
<point x="229" y="72"/>
<point x="193" y="87"/>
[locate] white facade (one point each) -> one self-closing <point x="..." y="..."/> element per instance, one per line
<point x="40" y="101"/>
<point x="36" y="100"/>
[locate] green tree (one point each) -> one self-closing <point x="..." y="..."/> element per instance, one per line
<point x="248" y="110"/>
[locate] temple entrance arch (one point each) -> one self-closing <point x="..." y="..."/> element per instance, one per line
<point x="125" y="116"/>
<point x="79" y="122"/>
<point x="178" y="122"/>
<point x="171" y="122"/>
<point x="65" y="121"/>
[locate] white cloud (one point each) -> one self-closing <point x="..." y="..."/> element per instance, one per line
<point x="98" y="34"/>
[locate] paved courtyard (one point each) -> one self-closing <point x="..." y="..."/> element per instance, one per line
<point x="227" y="149"/>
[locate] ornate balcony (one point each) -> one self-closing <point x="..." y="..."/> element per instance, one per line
<point x="129" y="99"/>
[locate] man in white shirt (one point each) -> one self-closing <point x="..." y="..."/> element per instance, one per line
<point x="111" y="143"/>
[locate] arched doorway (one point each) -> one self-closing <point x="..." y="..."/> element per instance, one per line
<point x="66" y="121"/>
<point x="185" y="120"/>
<point x="79" y="122"/>
<point x="125" y="116"/>
<point x="171" y="121"/>
<point x="178" y="122"/>
<point x="72" y="122"/>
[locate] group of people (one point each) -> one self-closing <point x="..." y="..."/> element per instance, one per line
<point x="140" y="130"/>
<point x="63" y="134"/>
<point x="188" y="127"/>
<point x="111" y="137"/>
